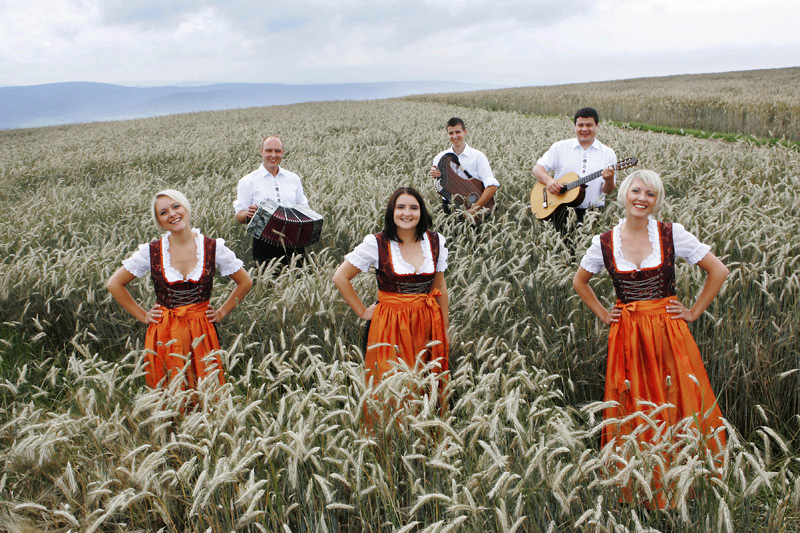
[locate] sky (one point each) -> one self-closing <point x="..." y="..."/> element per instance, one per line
<point x="506" y="43"/>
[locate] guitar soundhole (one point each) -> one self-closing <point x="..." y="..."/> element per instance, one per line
<point x="473" y="197"/>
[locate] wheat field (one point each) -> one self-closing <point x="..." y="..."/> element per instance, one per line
<point x="761" y="103"/>
<point x="84" y="446"/>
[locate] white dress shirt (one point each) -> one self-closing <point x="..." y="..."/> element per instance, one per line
<point x="285" y="189"/>
<point x="569" y="156"/>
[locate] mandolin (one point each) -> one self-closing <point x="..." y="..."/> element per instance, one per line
<point x="544" y="204"/>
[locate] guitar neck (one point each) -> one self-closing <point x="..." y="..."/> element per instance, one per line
<point x="631" y="161"/>
<point x="584" y="180"/>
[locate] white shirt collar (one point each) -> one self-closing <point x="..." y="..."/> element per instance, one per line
<point x="576" y="144"/>
<point x="265" y="172"/>
<point x="463" y="152"/>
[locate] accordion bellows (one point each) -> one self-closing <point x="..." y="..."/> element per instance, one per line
<point x="291" y="227"/>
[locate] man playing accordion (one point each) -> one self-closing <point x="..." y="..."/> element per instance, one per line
<point x="269" y="181"/>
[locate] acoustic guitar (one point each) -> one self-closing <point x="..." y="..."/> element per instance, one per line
<point x="544" y="204"/>
<point x="456" y="185"/>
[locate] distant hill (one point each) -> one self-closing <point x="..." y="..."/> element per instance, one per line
<point x="65" y="103"/>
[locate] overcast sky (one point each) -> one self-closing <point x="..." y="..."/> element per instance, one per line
<point x="535" y="42"/>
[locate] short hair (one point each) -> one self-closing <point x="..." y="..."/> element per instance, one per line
<point x="650" y="179"/>
<point x="586" y="112"/>
<point x="169" y="193"/>
<point x="455" y="121"/>
<point x="425" y="220"/>
<point x="260" y="146"/>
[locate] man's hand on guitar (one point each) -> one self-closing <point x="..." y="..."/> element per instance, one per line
<point x="554" y="187"/>
<point x="608" y="180"/>
<point x="435" y="172"/>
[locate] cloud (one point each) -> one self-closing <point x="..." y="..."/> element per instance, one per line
<point x="315" y="41"/>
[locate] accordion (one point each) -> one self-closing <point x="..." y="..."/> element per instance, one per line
<point x="290" y="227"/>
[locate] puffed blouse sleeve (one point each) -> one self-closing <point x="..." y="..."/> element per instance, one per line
<point x="139" y="263"/>
<point x="441" y="266"/>
<point x="687" y="245"/>
<point x="226" y="261"/>
<point x="593" y="258"/>
<point x="365" y="254"/>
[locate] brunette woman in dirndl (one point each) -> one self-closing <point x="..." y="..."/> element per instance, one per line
<point x="652" y="356"/>
<point x="412" y="307"/>
<point x="181" y="331"/>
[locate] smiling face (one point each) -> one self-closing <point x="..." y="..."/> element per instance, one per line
<point x="171" y="215"/>
<point x="586" y="130"/>
<point x="272" y="153"/>
<point x="640" y="200"/>
<point x="457" y="135"/>
<point x="406" y="212"/>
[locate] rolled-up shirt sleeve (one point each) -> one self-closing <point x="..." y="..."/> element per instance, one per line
<point x="549" y="159"/>
<point x="244" y="197"/>
<point x="485" y="173"/>
<point x="301" y="198"/>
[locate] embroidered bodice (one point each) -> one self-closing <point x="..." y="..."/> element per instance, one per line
<point x="414" y="283"/>
<point x="183" y="292"/>
<point x="648" y="283"/>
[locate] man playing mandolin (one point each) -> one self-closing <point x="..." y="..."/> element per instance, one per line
<point x="582" y="155"/>
<point x="471" y="160"/>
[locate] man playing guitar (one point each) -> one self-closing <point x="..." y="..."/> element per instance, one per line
<point x="582" y="155"/>
<point x="473" y="161"/>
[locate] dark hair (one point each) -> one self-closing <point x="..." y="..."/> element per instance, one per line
<point x="455" y="121"/>
<point x="587" y="112"/>
<point x="425" y="220"/>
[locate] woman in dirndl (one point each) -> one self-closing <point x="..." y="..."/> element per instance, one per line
<point x="181" y="333"/>
<point x="412" y="310"/>
<point x="652" y="356"/>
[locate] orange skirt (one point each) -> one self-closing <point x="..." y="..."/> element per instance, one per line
<point x="184" y="325"/>
<point x="406" y="323"/>
<point x="651" y="357"/>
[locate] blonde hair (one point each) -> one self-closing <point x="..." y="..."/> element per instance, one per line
<point x="169" y="193"/>
<point x="650" y="179"/>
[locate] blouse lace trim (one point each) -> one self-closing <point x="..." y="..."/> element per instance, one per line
<point x="653" y="260"/>
<point x="426" y="267"/>
<point x="195" y="274"/>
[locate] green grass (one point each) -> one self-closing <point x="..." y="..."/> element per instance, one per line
<point x="700" y="134"/>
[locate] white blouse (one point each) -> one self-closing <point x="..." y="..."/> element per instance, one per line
<point x="226" y="261"/>
<point x="686" y="245"/>
<point x="365" y="255"/>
